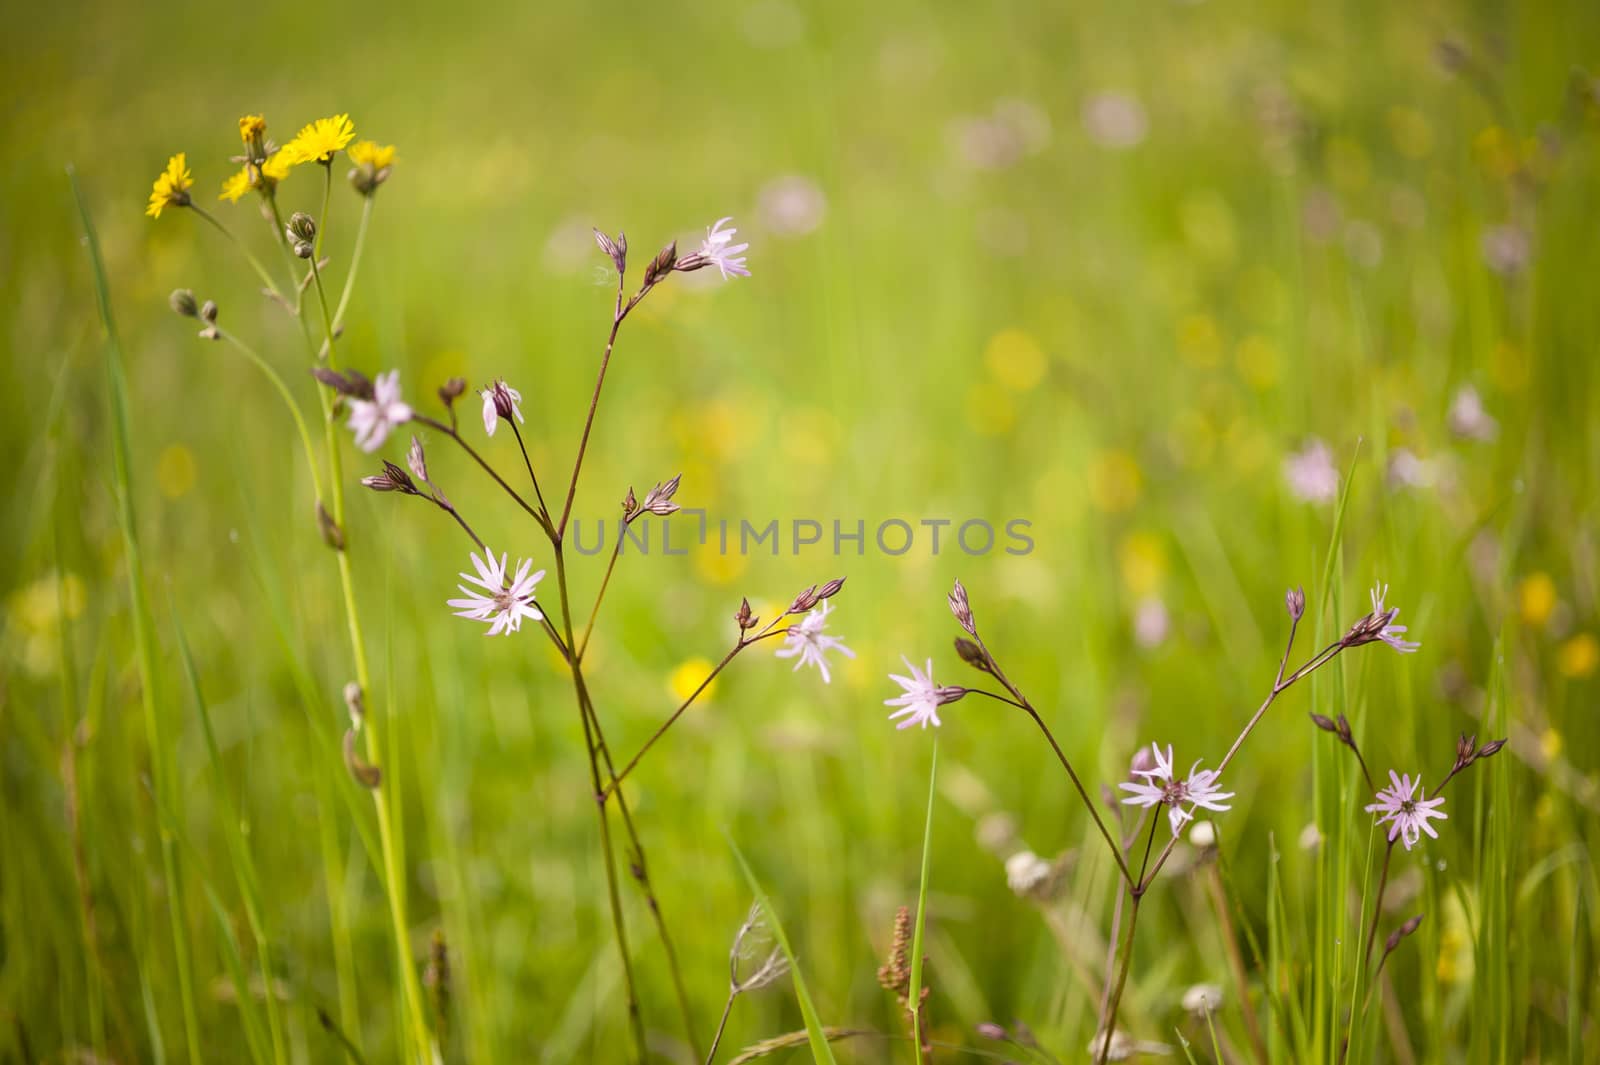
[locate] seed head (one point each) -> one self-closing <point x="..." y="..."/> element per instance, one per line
<point x="183" y="303"/>
<point x="617" y="249"/>
<point x="962" y="609"/>
<point x="744" y="617"/>
<point x="658" y="500"/>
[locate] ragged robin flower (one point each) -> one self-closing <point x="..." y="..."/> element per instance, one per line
<point x="320" y="141"/>
<point x="171" y="188"/>
<point x="373" y="163"/>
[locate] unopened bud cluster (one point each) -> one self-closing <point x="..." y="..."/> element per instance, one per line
<point x="302" y="234"/>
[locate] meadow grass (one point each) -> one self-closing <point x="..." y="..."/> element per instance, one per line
<point x="1005" y="311"/>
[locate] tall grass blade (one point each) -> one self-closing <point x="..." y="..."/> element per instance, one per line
<point x="816" y="1034"/>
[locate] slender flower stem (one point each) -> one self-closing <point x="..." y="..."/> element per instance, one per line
<point x="716" y="1040"/>
<point x="534" y="477"/>
<point x="618" y="315"/>
<point x="1136" y="893"/>
<point x="618" y="926"/>
<point x="322" y="218"/>
<point x="1322" y="658"/>
<point x="1088" y="803"/>
<point x="355" y="262"/>
<point x="454" y="434"/>
<point x="394" y="883"/>
<point x="255" y="264"/>
<point x="288" y="400"/>
<point x="766" y="633"/>
<point x="605" y="582"/>
<point x="1377" y="906"/>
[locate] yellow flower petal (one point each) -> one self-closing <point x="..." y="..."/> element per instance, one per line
<point x="320" y="141"/>
<point x="171" y="188"/>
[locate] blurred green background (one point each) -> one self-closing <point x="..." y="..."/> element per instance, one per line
<point x="1101" y="267"/>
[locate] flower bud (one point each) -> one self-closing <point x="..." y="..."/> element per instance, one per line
<point x="617" y="249"/>
<point x="451" y="390"/>
<point x="991" y="1030"/>
<point x="354" y="703"/>
<point x="302" y="234"/>
<point x="831" y="588"/>
<point x="368" y="776"/>
<point x="661" y="265"/>
<point x="1295" y="602"/>
<point x="1393" y="942"/>
<point x="332" y="535"/>
<point x="972" y="654"/>
<point x="1490" y="749"/>
<point x="208" y="312"/>
<point x="183" y="303"/>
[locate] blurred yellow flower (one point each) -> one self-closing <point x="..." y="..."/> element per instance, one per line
<point x="253" y="132"/>
<point x="1114" y="481"/>
<point x="175" y="471"/>
<point x="687" y="677"/>
<point x="1496" y="152"/>
<point x="990" y="409"/>
<point x="370" y="153"/>
<point x="1536" y="598"/>
<point x="1550" y="744"/>
<point x="171" y="188"/>
<point x="1257" y="360"/>
<point x="1579" y="656"/>
<point x="1015" y="359"/>
<point x="320" y="141"/>
<point x="1199" y="341"/>
<point x="711" y="562"/>
<point x="1143" y="560"/>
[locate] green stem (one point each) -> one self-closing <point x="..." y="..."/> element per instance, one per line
<point x="619" y="928"/>
<point x="355" y="262"/>
<point x="393" y="884"/>
<point x="288" y="400"/>
<point x="255" y="264"/>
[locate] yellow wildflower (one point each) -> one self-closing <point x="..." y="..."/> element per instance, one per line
<point x="265" y="177"/>
<point x="171" y="188"/>
<point x="320" y="141"/>
<point x="252" y="128"/>
<point x="373" y="163"/>
<point x="1579" y="656"/>
<point x="1537" y="598"/>
<point x="687" y="678"/>
<point x="370" y="153"/>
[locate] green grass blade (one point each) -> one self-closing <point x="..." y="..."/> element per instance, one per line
<point x="244" y="868"/>
<point x="142" y="635"/>
<point x="816" y="1035"/>
<point x="922" y="907"/>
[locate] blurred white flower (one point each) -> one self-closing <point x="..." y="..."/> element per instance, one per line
<point x="1202" y="999"/>
<point x="1506" y="249"/>
<point x="1468" y="418"/>
<point x="1013" y="129"/>
<point x="806" y="640"/>
<point x="1311" y="474"/>
<point x="506" y="604"/>
<point x="1151" y="622"/>
<point x="1026" y="873"/>
<point x="1406" y="470"/>
<point x="1115" y="120"/>
<point x="791" y="206"/>
<point x="773" y="24"/>
<point x="372" y="420"/>
<point x="1203" y="834"/>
